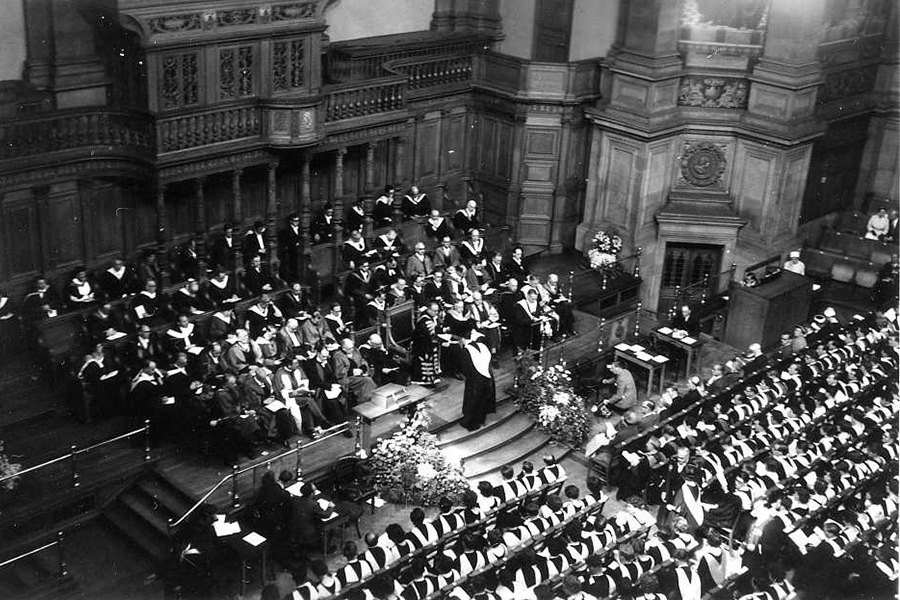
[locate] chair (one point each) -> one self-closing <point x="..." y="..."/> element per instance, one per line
<point x="350" y="481"/>
<point x="842" y="271"/>
<point x="866" y="277"/>
<point x="880" y="258"/>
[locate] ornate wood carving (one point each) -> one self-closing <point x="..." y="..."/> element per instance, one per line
<point x="703" y="164"/>
<point x="713" y="92"/>
<point x="191" y="131"/>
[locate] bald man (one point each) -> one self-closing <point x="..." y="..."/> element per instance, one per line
<point x="386" y="365"/>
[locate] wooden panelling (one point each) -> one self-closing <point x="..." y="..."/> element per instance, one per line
<point x="453" y="142"/>
<point x="428" y="145"/>
<point x="620" y="184"/>
<point x="218" y="195"/>
<point x="179" y="205"/>
<point x="253" y="194"/>
<point x="542" y="142"/>
<point x="502" y="167"/>
<point x="106" y="213"/>
<point x="21" y="237"/>
<point x="754" y="175"/>
<point x="66" y="245"/>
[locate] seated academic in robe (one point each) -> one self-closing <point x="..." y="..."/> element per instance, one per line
<point x="210" y="365"/>
<point x="466" y="219"/>
<point x="144" y="347"/>
<point x="560" y="303"/>
<point x="242" y="353"/>
<point x="102" y="383"/>
<point x="234" y="423"/>
<point x="271" y="351"/>
<point x="314" y="331"/>
<point x="258" y="389"/>
<point x="508" y="301"/>
<point x="322" y="229"/>
<point x="415" y="204"/>
<point x="383" y="208"/>
<point x="396" y="292"/>
<point x="223" y="290"/>
<point x="221" y="325"/>
<point x="351" y="371"/>
<point x="290" y="341"/>
<point x="386" y="364"/>
<point x="147" y="306"/>
<point x="360" y="288"/>
<point x="486" y="318"/>
<point x="294" y="302"/>
<point x="494" y="271"/>
<point x="471" y="250"/>
<point x="117" y="280"/>
<point x="323" y="382"/>
<point x="355" y="250"/>
<point x="292" y="388"/>
<point x="261" y="314"/>
<point x="374" y="310"/>
<point x="454" y="287"/>
<point x="187" y="299"/>
<point x="257" y="278"/>
<point x="389" y="244"/>
<point x="183" y="336"/>
<point x="387" y="273"/>
<point x="516" y="268"/>
<point x="145" y="393"/>
<point x="434" y="289"/>
<point x="40" y="304"/>
<point x="437" y="227"/>
<point x="355" y="216"/>
<point x="105" y="324"/>
<point x="334" y="320"/>
<point x="529" y="324"/>
<point x="79" y="292"/>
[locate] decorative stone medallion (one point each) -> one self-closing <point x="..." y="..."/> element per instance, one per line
<point x="703" y="164"/>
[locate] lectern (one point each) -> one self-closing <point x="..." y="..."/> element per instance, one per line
<point x="762" y="313"/>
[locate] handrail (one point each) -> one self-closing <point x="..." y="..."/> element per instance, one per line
<point x="76" y="451"/>
<point x="327" y="434"/>
<point x="29" y="553"/>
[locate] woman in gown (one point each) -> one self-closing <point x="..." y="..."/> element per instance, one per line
<point x="479" y="396"/>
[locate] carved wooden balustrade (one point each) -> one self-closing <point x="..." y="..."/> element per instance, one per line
<point x="128" y="130"/>
<point x="348" y="101"/>
<point x="429" y="72"/>
<point x="211" y="126"/>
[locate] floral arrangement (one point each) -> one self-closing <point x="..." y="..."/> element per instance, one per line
<point x="548" y="396"/>
<point x="408" y="467"/>
<point x="8" y="468"/>
<point x="605" y="248"/>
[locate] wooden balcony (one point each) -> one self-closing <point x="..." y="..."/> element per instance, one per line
<point x="72" y="135"/>
<point x="572" y="82"/>
<point x="209" y="126"/>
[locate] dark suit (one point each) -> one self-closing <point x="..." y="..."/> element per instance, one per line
<point x="691" y="324"/>
<point x="438" y="230"/>
<point x="253" y="246"/>
<point x="514" y="270"/>
<point x="222" y="254"/>
<point x="304" y="521"/>
<point x="323" y="228"/>
<point x="289" y="252"/>
<point x="464" y="222"/>
<point x="255" y="280"/>
<point x="321" y="378"/>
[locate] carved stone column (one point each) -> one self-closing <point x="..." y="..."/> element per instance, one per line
<point x="162" y="218"/>
<point x="370" y="188"/>
<point x="272" y="215"/>
<point x="399" y="179"/>
<point x="338" y="205"/>
<point x="200" y="224"/>
<point x="305" y="210"/>
<point x="236" y="207"/>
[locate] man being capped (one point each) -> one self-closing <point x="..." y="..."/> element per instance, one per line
<point x="479" y="396"/>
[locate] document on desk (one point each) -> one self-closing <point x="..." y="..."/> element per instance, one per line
<point x="623" y="347"/>
<point x="689" y="341"/>
<point x="644" y="356"/>
<point x="254" y="539"/>
<point x="637" y="348"/>
<point x="223" y="529"/>
<point x="665" y="330"/>
<point x="659" y="358"/>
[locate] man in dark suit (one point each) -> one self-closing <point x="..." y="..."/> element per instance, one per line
<point x="387" y="366"/>
<point x="322" y="380"/>
<point x="515" y="268"/>
<point x="257" y="279"/>
<point x="289" y="249"/>
<point x="687" y="320"/>
<point x="294" y="302"/>
<point x="305" y="519"/>
<point x="673" y="480"/>
<point x="323" y="225"/>
<point x="255" y="242"/>
<point x="223" y="249"/>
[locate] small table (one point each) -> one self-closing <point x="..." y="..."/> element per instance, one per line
<point x="247" y="552"/>
<point x="637" y="355"/>
<point x="689" y="345"/>
<point x="409" y="398"/>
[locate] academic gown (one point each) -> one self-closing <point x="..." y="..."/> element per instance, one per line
<point x="479" y="396"/>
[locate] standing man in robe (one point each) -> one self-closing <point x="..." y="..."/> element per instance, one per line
<point x="426" y="347"/>
<point x="479" y="396"/>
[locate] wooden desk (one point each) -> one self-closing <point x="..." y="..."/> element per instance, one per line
<point x="247" y="552"/>
<point x="371" y="412"/>
<point x="689" y="345"/>
<point x="645" y="360"/>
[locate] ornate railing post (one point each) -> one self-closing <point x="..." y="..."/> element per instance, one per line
<point x="298" y="467"/>
<point x="147" y="440"/>
<point x="637" y="320"/>
<point x="600" y="344"/>
<point x="705" y="291"/>
<point x="235" y="497"/>
<point x="74" y="451"/>
<point x="571" y="285"/>
<point x="636" y="272"/>
<point x="358" y="441"/>
<point x="673" y="310"/>
<point x="733" y="269"/>
<point x="61" y="555"/>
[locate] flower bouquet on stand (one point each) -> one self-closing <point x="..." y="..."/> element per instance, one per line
<point x="605" y="248"/>
<point x="549" y="397"/>
<point x="408" y="467"/>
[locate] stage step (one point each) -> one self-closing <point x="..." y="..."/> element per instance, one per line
<point x="142" y="514"/>
<point x="509" y="431"/>
<point x="456" y="434"/>
<point x="507" y="453"/>
<point x="36" y="577"/>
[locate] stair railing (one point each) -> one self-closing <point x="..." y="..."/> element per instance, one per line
<point x="232" y="479"/>
<point x="61" y="557"/>
<point x="75" y="452"/>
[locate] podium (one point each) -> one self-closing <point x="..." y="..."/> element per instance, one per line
<point x="762" y="313"/>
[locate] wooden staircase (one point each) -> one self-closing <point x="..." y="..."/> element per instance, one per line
<point x="37" y="577"/>
<point x="142" y="512"/>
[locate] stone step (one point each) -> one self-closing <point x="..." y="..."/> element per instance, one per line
<point x="174" y="500"/>
<point x="148" y="510"/>
<point x="141" y="534"/>
<point x="455" y="434"/>
<point x="508" y="453"/>
<point x="507" y="432"/>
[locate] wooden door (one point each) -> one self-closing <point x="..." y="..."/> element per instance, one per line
<point x="685" y="269"/>
<point x="552" y="30"/>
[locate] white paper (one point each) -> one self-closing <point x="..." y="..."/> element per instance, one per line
<point x="689" y="340"/>
<point x="659" y="358"/>
<point x="333" y="515"/>
<point x="323" y="503"/>
<point x="254" y="539"/>
<point x="665" y="330"/>
<point x="294" y="488"/>
<point x="334" y="392"/>
<point x="445" y="337"/>
<point x="623" y="347"/>
<point x="644" y="356"/>
<point x="275" y="405"/>
<point x="377" y="502"/>
<point x="594" y="444"/>
<point x="140" y="311"/>
<point x="115" y="335"/>
<point x="195" y="350"/>
<point x="222" y="528"/>
<point x="109" y="375"/>
<point x="168" y="400"/>
<point x="637" y="348"/>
